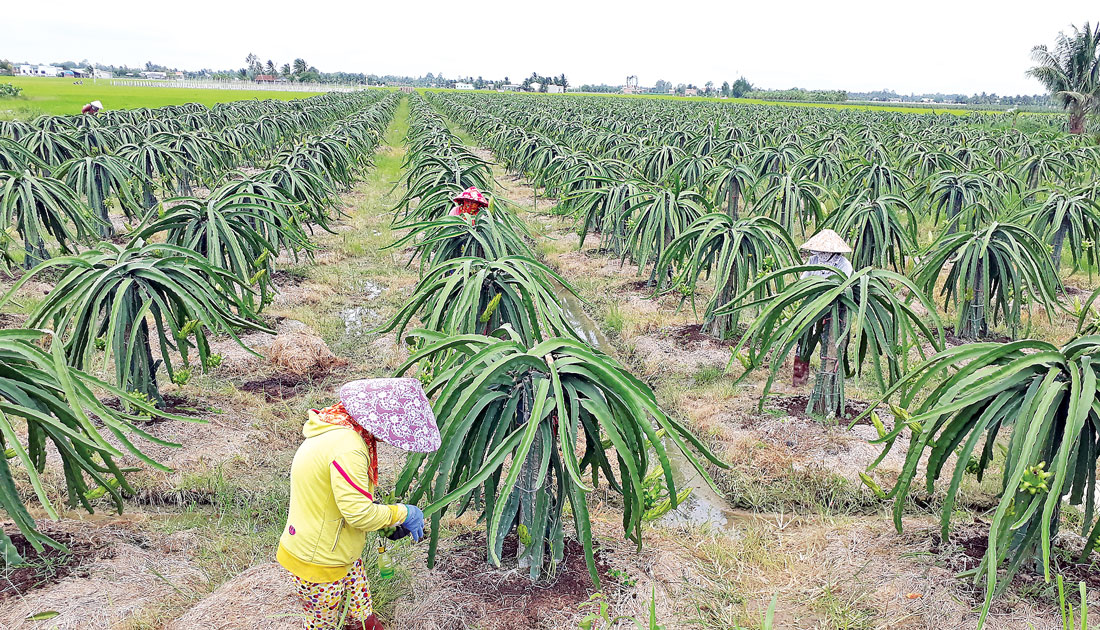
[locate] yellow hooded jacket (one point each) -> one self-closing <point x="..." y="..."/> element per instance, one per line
<point x="331" y="504"/>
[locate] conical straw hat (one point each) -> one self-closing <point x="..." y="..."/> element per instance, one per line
<point x="395" y="410"/>
<point x="827" y="241"/>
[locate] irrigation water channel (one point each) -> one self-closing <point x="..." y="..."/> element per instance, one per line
<point x="703" y="505"/>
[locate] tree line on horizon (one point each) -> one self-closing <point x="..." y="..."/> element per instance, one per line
<point x="1070" y="71"/>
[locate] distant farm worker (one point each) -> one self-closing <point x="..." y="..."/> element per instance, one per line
<point x="826" y="248"/>
<point x="332" y="505"/>
<point x="92" y="108"/>
<point x="470" y="202"/>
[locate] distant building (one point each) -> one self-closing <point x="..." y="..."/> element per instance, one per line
<point x="535" y="87"/>
<point x="555" y="89"/>
<point x="691" y="92"/>
<point x="38" y="71"/>
<point x="103" y="74"/>
<point x="464" y="86"/>
<point x="67" y="74"/>
<point x="154" y="75"/>
<point x="265" y="78"/>
<point x="509" y="87"/>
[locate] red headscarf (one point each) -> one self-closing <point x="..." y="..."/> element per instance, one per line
<point x="339" y="416"/>
<point x="465" y="207"/>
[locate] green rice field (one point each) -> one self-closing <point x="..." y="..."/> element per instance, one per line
<point x="61" y="96"/>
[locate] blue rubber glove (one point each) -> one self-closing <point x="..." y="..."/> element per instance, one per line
<point x="414" y="522"/>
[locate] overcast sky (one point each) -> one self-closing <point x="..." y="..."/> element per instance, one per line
<point x="928" y="46"/>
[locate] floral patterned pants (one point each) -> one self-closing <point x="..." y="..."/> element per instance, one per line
<point x="325" y="603"/>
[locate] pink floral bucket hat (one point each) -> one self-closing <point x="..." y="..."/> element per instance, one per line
<point x="471" y="194"/>
<point x="394" y="410"/>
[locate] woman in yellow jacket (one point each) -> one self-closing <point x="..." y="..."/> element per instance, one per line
<point x="332" y="484"/>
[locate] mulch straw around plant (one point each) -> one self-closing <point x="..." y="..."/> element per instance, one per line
<point x="110" y="575"/>
<point x="261" y="598"/>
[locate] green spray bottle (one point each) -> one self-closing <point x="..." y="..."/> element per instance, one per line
<point x="385" y="563"/>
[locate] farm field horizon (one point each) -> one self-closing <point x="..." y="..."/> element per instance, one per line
<point x="624" y="362"/>
<point x="61" y="96"/>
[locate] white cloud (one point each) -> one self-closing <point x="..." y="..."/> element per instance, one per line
<point x="936" y="45"/>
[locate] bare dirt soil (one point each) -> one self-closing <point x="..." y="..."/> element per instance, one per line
<point x="967" y="545"/>
<point x="499" y="599"/>
<point x="796" y="406"/>
<point x="52" y="564"/>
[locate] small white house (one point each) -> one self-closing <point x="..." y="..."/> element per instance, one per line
<point x="691" y="92"/>
<point x="508" y="87"/>
<point x="39" y="71"/>
<point x="154" y="75"/>
<point x="536" y="87"/>
<point x="555" y="89"/>
<point x="103" y="74"/>
<point x="464" y="86"/>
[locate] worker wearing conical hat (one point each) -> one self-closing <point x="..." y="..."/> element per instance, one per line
<point x="92" y="108"/>
<point x="826" y="248"/>
<point x="333" y="481"/>
<point x="468" y="202"/>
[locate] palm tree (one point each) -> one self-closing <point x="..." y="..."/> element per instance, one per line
<point x="1072" y="73"/>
